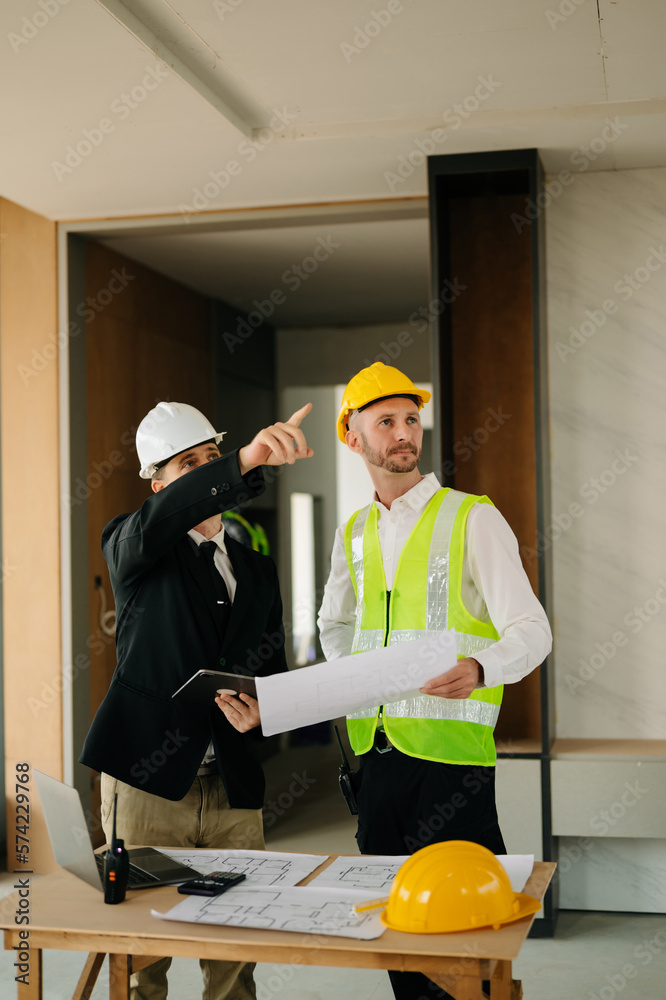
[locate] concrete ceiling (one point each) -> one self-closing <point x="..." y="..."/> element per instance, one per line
<point x="115" y="110"/>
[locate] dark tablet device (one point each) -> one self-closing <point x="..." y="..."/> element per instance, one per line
<point x="203" y="687"/>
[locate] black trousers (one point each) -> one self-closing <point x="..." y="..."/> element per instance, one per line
<point x="405" y="804"/>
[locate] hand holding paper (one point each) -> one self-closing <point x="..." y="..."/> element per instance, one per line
<point x="329" y="690"/>
<point x="458" y="682"/>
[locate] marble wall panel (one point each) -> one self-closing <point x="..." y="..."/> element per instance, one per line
<point x="606" y="270"/>
<point x="621" y="875"/>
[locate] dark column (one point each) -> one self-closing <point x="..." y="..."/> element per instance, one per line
<point x="491" y="385"/>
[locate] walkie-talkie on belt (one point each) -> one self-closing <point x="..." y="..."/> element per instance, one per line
<point x="346" y="775"/>
<point x="116" y="865"/>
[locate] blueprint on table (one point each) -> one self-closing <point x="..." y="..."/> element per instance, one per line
<point x="376" y="874"/>
<point x="306" y="910"/>
<point x="368" y="874"/>
<point x="259" y="867"/>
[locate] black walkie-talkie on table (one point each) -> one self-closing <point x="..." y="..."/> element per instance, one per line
<point x="346" y="775"/>
<point x="116" y="865"/>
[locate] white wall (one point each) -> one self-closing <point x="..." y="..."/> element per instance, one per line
<point x="314" y="475"/>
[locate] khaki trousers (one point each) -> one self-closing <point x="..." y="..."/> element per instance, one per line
<point x="202" y="819"/>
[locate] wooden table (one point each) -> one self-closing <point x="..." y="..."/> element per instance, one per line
<point x="67" y="914"/>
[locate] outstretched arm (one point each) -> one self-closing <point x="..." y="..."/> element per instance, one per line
<point x="133" y="543"/>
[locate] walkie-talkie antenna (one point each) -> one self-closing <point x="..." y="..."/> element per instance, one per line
<point x="115" y="810"/>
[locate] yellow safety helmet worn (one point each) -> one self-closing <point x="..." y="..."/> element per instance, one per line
<point x="372" y="384"/>
<point x="454" y="886"/>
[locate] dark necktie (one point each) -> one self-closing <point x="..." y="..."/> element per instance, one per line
<point x="219" y="587"/>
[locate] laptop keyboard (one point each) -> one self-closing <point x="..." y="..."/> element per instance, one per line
<point x="137" y="876"/>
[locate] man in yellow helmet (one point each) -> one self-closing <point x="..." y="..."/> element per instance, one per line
<point x="417" y="560"/>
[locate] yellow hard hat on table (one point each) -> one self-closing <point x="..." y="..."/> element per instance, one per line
<point x="454" y="886"/>
<point x="372" y="384"/>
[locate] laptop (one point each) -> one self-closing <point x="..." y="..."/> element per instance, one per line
<point x="72" y="847"/>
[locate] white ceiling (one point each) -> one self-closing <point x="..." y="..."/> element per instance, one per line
<point x="368" y="272"/>
<point x="277" y="89"/>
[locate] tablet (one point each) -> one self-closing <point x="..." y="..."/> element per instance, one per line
<point x="203" y="687"/>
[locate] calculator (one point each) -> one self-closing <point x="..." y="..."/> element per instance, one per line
<point x="211" y="885"/>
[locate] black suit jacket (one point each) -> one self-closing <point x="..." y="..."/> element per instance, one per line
<point x="166" y="630"/>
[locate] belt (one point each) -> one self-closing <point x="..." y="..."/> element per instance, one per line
<point x="208" y="768"/>
<point x="381" y="742"/>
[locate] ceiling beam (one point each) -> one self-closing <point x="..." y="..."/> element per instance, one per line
<point x="598" y="111"/>
<point x="266" y="217"/>
<point x="188" y="61"/>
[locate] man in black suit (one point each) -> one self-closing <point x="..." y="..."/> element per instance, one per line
<point x="188" y="597"/>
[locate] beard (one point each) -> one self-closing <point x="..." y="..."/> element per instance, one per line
<point x="402" y="464"/>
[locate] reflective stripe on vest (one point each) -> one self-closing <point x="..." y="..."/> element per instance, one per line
<point x="444" y="729"/>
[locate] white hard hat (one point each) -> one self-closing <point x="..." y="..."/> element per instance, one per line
<point x="167" y="430"/>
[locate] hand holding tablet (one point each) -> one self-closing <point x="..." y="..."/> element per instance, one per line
<point x="205" y="685"/>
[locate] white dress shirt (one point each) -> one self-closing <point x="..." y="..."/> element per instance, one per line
<point x="221" y="558"/>
<point x="494" y="586"/>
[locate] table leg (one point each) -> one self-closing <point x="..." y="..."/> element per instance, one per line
<point x="88" y="977"/>
<point x="468" y="988"/>
<point x="140" y="962"/>
<point x="460" y="987"/>
<point x="120" y="970"/>
<point x="32" y="990"/>
<point x="502" y="987"/>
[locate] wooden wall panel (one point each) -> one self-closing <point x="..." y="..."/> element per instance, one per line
<point x="493" y="393"/>
<point x="493" y="385"/>
<point x="29" y="454"/>
<point x="149" y="341"/>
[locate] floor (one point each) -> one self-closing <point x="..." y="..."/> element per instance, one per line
<point x="594" y="956"/>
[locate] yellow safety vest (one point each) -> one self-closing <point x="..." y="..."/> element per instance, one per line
<point x="426" y="597"/>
